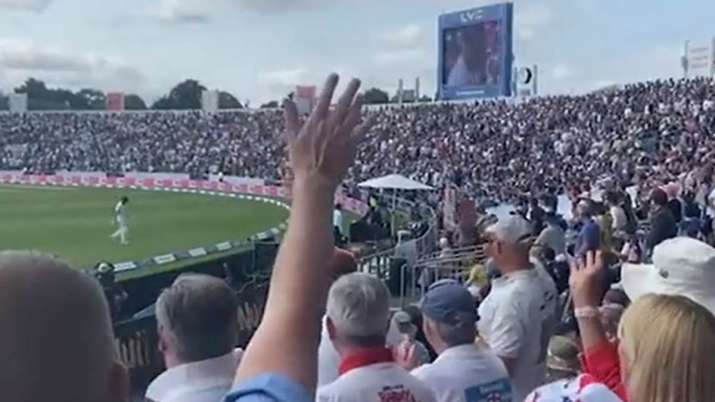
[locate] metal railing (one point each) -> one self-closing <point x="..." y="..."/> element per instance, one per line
<point x="378" y="263"/>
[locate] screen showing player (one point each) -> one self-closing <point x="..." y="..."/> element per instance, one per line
<point x="472" y="55"/>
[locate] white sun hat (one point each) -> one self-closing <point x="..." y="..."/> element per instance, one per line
<point x="681" y="266"/>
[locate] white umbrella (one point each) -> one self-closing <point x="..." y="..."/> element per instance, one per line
<point x="394" y="182"/>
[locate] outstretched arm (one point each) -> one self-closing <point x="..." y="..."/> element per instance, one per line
<point x="321" y="150"/>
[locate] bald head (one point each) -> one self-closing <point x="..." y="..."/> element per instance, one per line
<point x="56" y="339"/>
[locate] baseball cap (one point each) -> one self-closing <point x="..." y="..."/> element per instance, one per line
<point x="512" y="229"/>
<point x="563" y="355"/>
<point x="582" y="388"/>
<point x="449" y="302"/>
<point x="681" y="266"/>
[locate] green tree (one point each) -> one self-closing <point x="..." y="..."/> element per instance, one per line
<point x="185" y="95"/>
<point x="425" y="98"/>
<point x="376" y="96"/>
<point x="228" y="101"/>
<point x="92" y="99"/>
<point x="270" y="105"/>
<point x="134" y="102"/>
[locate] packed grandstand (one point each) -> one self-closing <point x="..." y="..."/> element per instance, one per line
<point x="655" y="137"/>
<point x="498" y="151"/>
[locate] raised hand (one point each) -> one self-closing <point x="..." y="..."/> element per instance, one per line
<point x="405" y="355"/>
<point x="585" y="281"/>
<point x="323" y="148"/>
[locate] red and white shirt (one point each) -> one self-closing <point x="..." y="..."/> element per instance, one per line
<point x="373" y="376"/>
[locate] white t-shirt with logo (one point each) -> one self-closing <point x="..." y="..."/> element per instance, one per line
<point x="377" y="382"/>
<point x="467" y="373"/>
<point x="517" y="319"/>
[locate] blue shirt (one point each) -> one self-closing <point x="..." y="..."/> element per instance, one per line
<point x="589" y="238"/>
<point x="269" y="388"/>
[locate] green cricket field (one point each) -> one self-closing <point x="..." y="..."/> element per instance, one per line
<point x="76" y="223"/>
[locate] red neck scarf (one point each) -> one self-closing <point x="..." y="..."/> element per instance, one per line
<point x="365" y="357"/>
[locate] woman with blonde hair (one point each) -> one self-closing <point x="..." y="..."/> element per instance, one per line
<point x="666" y="343"/>
<point x="667" y="350"/>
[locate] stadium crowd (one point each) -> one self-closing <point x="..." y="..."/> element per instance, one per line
<point x="498" y="151"/>
<point x="330" y="335"/>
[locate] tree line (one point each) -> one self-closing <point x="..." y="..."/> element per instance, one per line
<point x="185" y="95"/>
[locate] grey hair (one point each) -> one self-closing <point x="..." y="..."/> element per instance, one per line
<point x="198" y="313"/>
<point x="359" y="306"/>
<point x="456" y="335"/>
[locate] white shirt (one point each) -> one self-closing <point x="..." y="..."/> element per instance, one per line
<point x="466" y="373"/>
<point x="619" y="218"/>
<point x="553" y="237"/>
<point x="338" y="219"/>
<point x="517" y="319"/>
<point x="203" y="381"/>
<point x="376" y="383"/>
<point x="329" y="359"/>
<point x="120" y="213"/>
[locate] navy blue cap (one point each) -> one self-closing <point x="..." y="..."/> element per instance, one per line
<point x="449" y="302"/>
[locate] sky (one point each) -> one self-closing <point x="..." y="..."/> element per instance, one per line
<point x="260" y="49"/>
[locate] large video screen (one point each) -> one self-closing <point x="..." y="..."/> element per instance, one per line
<point x="476" y="53"/>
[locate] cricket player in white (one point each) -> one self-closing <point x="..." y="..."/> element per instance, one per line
<point x="120" y="218"/>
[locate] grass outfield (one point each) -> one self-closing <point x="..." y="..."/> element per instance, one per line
<point x="75" y="223"/>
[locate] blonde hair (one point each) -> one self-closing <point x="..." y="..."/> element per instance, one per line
<point x="668" y="343"/>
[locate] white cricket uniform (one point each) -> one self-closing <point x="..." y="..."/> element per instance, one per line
<point x="376" y="382"/>
<point x="517" y="320"/>
<point x="120" y="214"/>
<point x="467" y="373"/>
<point x="120" y="217"/>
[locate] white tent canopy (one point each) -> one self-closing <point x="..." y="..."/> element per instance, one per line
<point x="395" y="182"/>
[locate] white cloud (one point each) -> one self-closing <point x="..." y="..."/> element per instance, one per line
<point x="530" y="19"/>
<point x="25" y="5"/>
<point x="401" y="57"/>
<point x="562" y="71"/>
<point x="21" y="59"/>
<point x="184" y="11"/>
<point x="409" y="36"/>
<point x="278" y="6"/>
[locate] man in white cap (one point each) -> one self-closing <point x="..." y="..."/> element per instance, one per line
<point x="358" y="314"/>
<point x="518" y="316"/>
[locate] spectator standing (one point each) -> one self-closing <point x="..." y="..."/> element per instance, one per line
<point x="589" y="237"/>
<point x="671" y="320"/>
<point x="662" y="222"/>
<point x="358" y="314"/>
<point x="674" y="204"/>
<point x="197" y="336"/>
<point x="464" y="371"/>
<point x="56" y="342"/>
<point x="517" y="318"/>
<point x="553" y="235"/>
<point x="618" y="215"/>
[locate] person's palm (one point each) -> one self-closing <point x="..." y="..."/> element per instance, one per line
<point x="323" y="148"/>
<point x="585" y="280"/>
